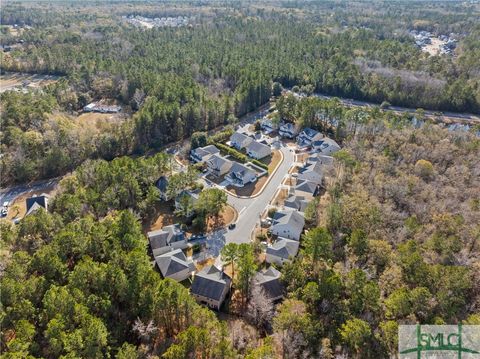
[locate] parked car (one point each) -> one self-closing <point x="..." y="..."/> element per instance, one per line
<point x="4" y="211"/>
<point x="232" y="226"/>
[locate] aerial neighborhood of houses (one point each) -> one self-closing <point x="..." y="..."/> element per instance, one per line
<point x="243" y="166"/>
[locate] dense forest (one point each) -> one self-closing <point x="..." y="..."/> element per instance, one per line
<point x="393" y="240"/>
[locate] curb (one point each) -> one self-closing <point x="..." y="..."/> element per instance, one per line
<point x="264" y="185"/>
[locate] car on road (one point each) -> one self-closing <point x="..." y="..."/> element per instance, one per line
<point x="3" y="212"/>
<point x="231" y="226"/>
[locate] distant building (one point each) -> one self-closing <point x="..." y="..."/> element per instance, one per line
<point x="326" y="146"/>
<point x="175" y="265"/>
<point x="34" y="203"/>
<point x="307" y="137"/>
<point x="210" y="287"/>
<point x="95" y="107"/>
<point x="268" y="126"/>
<point x="162" y="185"/>
<point x="298" y="203"/>
<point x="306" y="189"/>
<point x="312" y="172"/>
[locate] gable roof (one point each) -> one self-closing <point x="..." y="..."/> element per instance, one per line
<point x="240" y="171"/>
<point x="210" y="282"/>
<point x="325" y="143"/>
<point x="289" y="217"/>
<point x="288" y="126"/>
<point x="318" y="157"/>
<point x="296" y="202"/>
<point x="284" y="248"/>
<point x="306" y="186"/>
<point x="163" y="237"/>
<point x="173" y="262"/>
<point x="309" y="132"/>
<point x="269" y="279"/>
<point x="239" y="137"/>
<point x="217" y="162"/>
<point x="205" y="151"/>
<point x="255" y="146"/>
<point x="34" y="203"/>
<point x="315" y="167"/>
<point x="193" y="194"/>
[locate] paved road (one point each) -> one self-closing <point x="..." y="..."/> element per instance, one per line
<point x="10" y="193"/>
<point x="250" y="209"/>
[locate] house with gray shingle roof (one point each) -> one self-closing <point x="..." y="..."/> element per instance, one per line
<point x="168" y="238"/>
<point x="306" y="189"/>
<point x="240" y="140"/>
<point x="307" y="137"/>
<point x="282" y="251"/>
<point x="298" y="203"/>
<point x="312" y="172"/>
<point x="288" y="223"/>
<point x="269" y="281"/>
<point x="288" y="130"/>
<point x="258" y="150"/>
<point x="210" y="286"/>
<point x="240" y="175"/>
<point x="201" y="154"/>
<point x="162" y="185"/>
<point x="327" y="146"/>
<point x="175" y="265"/>
<point x="321" y="158"/>
<point x="218" y="165"/>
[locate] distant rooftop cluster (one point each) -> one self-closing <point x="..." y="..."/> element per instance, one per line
<point x="149" y="23"/>
<point x="445" y="44"/>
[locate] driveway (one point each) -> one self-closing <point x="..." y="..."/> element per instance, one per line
<point x="10" y="193"/>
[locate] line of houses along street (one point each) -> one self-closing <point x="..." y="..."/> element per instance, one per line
<point x="211" y="285"/>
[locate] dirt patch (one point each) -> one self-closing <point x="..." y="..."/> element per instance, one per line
<point x="227" y="216"/>
<point x="18" y="208"/>
<point x="274" y="161"/>
<point x="10" y="81"/>
<point x="202" y="264"/>
<point x="99" y="122"/>
<point x="280" y="198"/>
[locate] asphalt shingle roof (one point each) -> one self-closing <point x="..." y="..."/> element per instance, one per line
<point x="284" y="248"/>
<point x="173" y="262"/>
<point x="269" y="279"/>
<point x="210" y="282"/>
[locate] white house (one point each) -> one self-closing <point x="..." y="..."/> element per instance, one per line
<point x="240" y="140"/>
<point x="288" y="223"/>
<point x="218" y="165"/>
<point x="201" y="154"/>
<point x="240" y="175"/>
<point x="175" y="265"/>
<point x="288" y="130"/>
<point x="282" y="251"/>
<point x="258" y="150"/>
<point x="210" y="287"/>
<point x="326" y="146"/>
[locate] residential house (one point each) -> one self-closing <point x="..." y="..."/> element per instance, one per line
<point x="288" y="130"/>
<point x="268" y="126"/>
<point x="258" y="150"/>
<point x="187" y="197"/>
<point x="298" y="203"/>
<point x="201" y="154"/>
<point x="307" y="137"/>
<point x="175" y="265"/>
<point x="210" y="286"/>
<point x="282" y="251"/>
<point x="240" y="140"/>
<point x="312" y="172"/>
<point x="240" y="175"/>
<point x="162" y="185"/>
<point x="326" y="146"/>
<point x="167" y="238"/>
<point x="218" y="165"/>
<point x="35" y="202"/>
<point x="322" y="159"/>
<point x="269" y="281"/>
<point x="306" y="189"/>
<point x="288" y="223"/>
